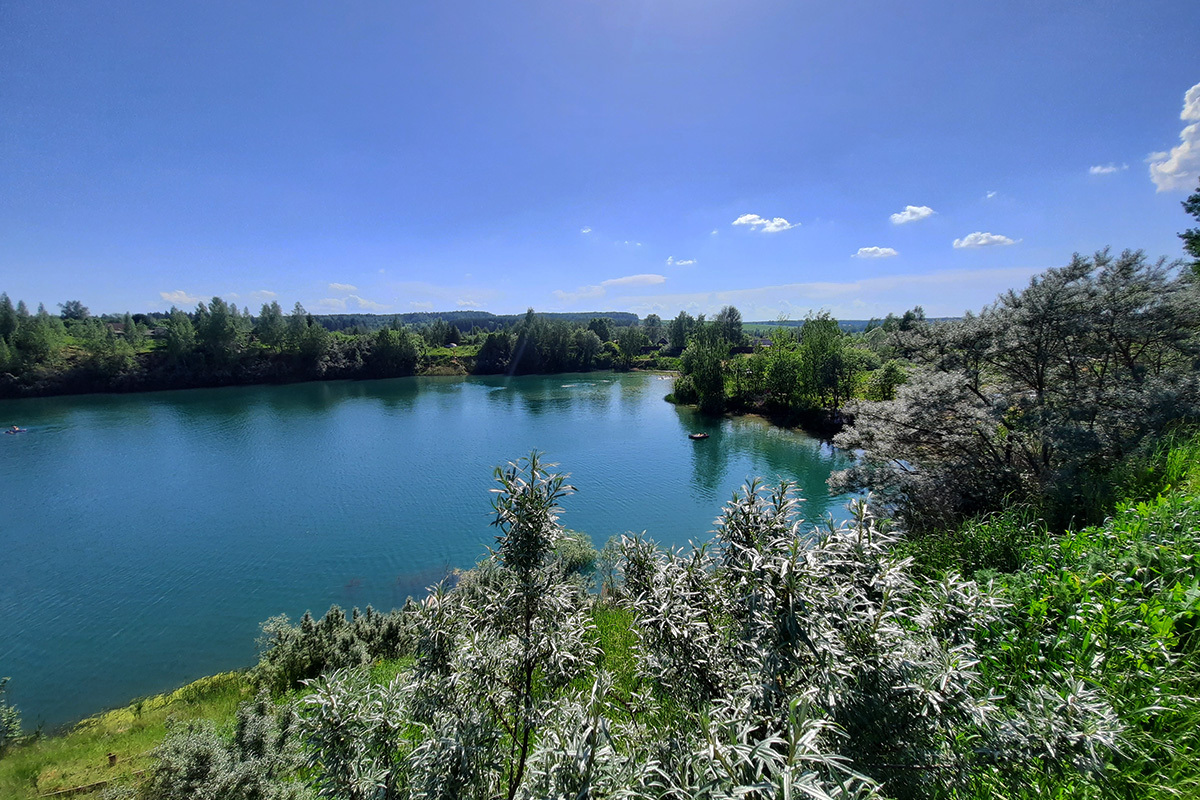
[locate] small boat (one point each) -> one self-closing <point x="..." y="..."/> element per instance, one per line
<point x="697" y="435"/>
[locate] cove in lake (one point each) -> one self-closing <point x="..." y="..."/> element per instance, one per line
<point x="144" y="538"/>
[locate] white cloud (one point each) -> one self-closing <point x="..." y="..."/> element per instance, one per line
<point x="875" y="252"/>
<point x="264" y="294"/>
<point x="714" y="233"/>
<point x="634" y="280"/>
<point x="683" y="262"/>
<point x="424" y="305"/>
<point x="981" y="239"/>
<point x="351" y="302"/>
<point x="467" y="303"/>
<point x="342" y="287"/>
<point x="989" y="195"/>
<point x="179" y="298"/>
<point x="588" y="292"/>
<point x="765" y="225"/>
<point x="1106" y="169"/>
<point x="940" y="293"/>
<point x="1179" y="168"/>
<point x="585" y="229"/>
<point x="911" y="214"/>
<point x="630" y="243"/>
<point x="367" y="305"/>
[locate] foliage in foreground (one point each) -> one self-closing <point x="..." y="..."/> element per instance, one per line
<point x="773" y="662"/>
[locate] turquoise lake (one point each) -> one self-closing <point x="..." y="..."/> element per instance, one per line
<point x="144" y="538"/>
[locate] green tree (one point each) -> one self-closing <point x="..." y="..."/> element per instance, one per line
<point x="8" y="318"/>
<point x="10" y="720"/>
<point x="394" y="352"/>
<point x="39" y="337"/>
<point x="270" y="329"/>
<point x="587" y="344"/>
<point x="602" y="328"/>
<point x="218" y="330"/>
<point x="297" y="326"/>
<point x="680" y="330"/>
<point x="74" y="310"/>
<point x="703" y="363"/>
<point x="1191" y="236"/>
<point x="135" y="332"/>
<point x="729" y="324"/>
<point x="181" y="336"/>
<point x="829" y="364"/>
<point x="494" y="354"/>
<point x="629" y="343"/>
<point x="1038" y="398"/>
<point x="653" y="326"/>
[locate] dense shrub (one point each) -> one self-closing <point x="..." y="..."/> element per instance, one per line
<point x="291" y="654"/>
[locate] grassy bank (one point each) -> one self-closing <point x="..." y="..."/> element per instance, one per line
<point x="80" y="757"/>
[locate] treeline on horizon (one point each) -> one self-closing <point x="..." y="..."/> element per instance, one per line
<point x="218" y="344"/>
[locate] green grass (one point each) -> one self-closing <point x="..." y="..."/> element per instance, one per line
<point x="80" y="757"/>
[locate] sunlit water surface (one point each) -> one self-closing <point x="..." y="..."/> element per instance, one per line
<point x="143" y="538"/>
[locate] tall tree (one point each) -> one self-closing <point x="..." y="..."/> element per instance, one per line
<point x="680" y="330"/>
<point x="1191" y="237"/>
<point x="181" y="336"/>
<point x="270" y="329"/>
<point x="729" y="324"/>
<point x="653" y="326"/>
<point x="602" y="328"/>
<point x="8" y="318"/>
<point x="74" y="310"/>
<point x="297" y="325"/>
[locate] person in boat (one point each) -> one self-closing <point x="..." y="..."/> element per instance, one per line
<point x="15" y="429"/>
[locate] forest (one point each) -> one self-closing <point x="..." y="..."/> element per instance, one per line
<point x="1011" y="611"/>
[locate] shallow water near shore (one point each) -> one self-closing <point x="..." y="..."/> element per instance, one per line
<point x="143" y="538"/>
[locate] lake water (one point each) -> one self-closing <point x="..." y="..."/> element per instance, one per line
<point x="143" y="538"/>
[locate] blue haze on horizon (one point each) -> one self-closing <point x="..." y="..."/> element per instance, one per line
<point x="645" y="156"/>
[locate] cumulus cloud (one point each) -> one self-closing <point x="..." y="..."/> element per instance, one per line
<point x="1180" y="167"/>
<point x="765" y="225"/>
<point x="601" y="289"/>
<point x="1106" y="169"/>
<point x="585" y="229"/>
<point x="671" y="262"/>
<point x="911" y="214"/>
<point x="875" y="252"/>
<point x="981" y="239"/>
<point x="179" y="298"/>
<point x="264" y="294"/>
<point x="989" y="195"/>
<point x="630" y="243"/>
<point x="342" y="287"/>
<point x="714" y="233"/>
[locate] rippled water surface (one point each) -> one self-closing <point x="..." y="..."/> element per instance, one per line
<point x="143" y="538"/>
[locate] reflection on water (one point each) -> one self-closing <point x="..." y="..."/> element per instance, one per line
<point x="146" y="536"/>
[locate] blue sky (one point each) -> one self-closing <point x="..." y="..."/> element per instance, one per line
<point x="640" y="155"/>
